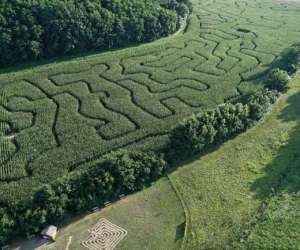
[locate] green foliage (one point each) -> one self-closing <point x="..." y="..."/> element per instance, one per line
<point x="278" y="79"/>
<point x="32" y="30"/>
<point x="215" y="126"/>
<point x="290" y="59"/>
<point x="6" y="226"/>
<point x="182" y="7"/>
<point x="259" y="104"/>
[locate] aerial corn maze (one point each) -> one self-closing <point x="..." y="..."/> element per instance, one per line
<point x="62" y="117"/>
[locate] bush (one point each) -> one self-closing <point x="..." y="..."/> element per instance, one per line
<point x="289" y="59"/>
<point x="259" y="104"/>
<point x="6" y="226"/>
<point x="278" y="79"/>
<point x="215" y="126"/>
<point x="182" y="7"/>
<point x="292" y="58"/>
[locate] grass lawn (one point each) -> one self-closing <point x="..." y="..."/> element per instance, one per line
<point x="153" y="218"/>
<point x="223" y="191"/>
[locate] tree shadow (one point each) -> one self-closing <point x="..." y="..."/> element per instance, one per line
<point x="180" y="231"/>
<point x="66" y="58"/>
<point x="283" y="173"/>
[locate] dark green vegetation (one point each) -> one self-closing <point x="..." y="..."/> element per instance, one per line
<point x="33" y="30"/>
<point x="65" y="116"/>
<point x="213" y="127"/>
<point x="278" y="79"/>
<point x="243" y="195"/>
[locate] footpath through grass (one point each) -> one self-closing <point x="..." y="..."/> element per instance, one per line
<point x="225" y="192"/>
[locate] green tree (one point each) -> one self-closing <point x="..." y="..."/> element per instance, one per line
<point x="6" y="226"/>
<point x="278" y="79"/>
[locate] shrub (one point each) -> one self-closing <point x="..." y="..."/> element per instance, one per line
<point x="182" y="7"/>
<point x="6" y="226"/>
<point x="278" y="79"/>
<point x="289" y="59"/>
<point x="260" y="103"/>
<point x="292" y="59"/>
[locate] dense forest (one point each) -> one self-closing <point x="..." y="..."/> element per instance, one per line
<point x="37" y="29"/>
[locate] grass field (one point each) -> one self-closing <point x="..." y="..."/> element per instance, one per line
<point x="65" y="115"/>
<point x="226" y="192"/>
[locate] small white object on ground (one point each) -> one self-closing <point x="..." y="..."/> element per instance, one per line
<point x="49" y="233"/>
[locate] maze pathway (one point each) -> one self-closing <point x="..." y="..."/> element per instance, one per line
<point x="69" y="115"/>
<point x="104" y="236"/>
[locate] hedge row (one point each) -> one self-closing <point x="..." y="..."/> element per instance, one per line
<point x="33" y="30"/>
<point x="120" y="172"/>
<point x="213" y="127"/>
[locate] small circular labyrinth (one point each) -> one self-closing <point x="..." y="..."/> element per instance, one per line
<point x="104" y="236"/>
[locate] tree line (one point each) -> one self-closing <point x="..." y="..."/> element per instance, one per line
<point x="41" y="29"/>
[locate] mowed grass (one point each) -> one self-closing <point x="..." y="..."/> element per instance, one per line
<point x="225" y="191"/>
<point x="154" y="219"/>
<point x="69" y="114"/>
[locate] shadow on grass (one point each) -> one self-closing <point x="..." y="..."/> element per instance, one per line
<point x="65" y="58"/>
<point x="283" y="173"/>
<point x="180" y="231"/>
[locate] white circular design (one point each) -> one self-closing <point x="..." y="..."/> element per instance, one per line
<point x="104" y="236"/>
